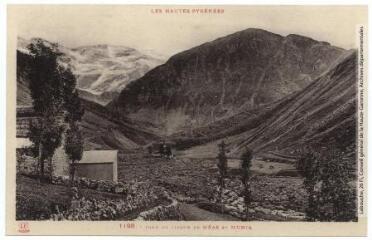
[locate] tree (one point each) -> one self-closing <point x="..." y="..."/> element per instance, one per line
<point x="305" y="161"/>
<point x="222" y="168"/>
<point x="335" y="190"/>
<point x="309" y="167"/>
<point x="55" y="101"/>
<point x="73" y="148"/>
<point x="327" y="177"/>
<point x="71" y="101"/>
<point x="47" y="95"/>
<point x="73" y="114"/>
<point x="246" y="178"/>
<point x="51" y="138"/>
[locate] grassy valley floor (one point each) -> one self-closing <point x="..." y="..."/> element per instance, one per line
<point x="194" y="180"/>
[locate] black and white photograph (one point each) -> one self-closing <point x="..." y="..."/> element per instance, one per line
<point x="234" y="114"/>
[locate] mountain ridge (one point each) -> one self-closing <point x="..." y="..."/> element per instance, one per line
<point x="323" y="114"/>
<point x="213" y="80"/>
<point x="248" y="88"/>
<point x="102" y="70"/>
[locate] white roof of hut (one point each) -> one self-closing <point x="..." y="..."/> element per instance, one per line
<point x="99" y="156"/>
<point x="23" y="143"/>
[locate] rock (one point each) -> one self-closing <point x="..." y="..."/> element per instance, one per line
<point x="251" y="210"/>
<point x="74" y="193"/>
<point x="231" y="208"/>
<point x="280" y="207"/>
<point x="241" y="207"/>
<point x="283" y="214"/>
<point x="93" y="184"/>
<point x="105" y="186"/>
<point x="118" y="189"/>
<point x="235" y="214"/>
<point x="65" y="180"/>
<point x="266" y="211"/>
<point x="263" y="210"/>
<point x="235" y="203"/>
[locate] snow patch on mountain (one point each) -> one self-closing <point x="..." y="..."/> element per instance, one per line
<point x="103" y="68"/>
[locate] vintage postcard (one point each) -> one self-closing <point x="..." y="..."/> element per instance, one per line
<point x="186" y="120"/>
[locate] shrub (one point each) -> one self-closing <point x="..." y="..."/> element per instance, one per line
<point x="32" y="207"/>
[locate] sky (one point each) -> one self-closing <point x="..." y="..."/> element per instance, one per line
<point x="168" y="33"/>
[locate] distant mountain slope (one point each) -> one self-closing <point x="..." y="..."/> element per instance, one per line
<point x="252" y="88"/>
<point x="101" y="99"/>
<point x="323" y="113"/>
<point x="102" y="71"/>
<point x="101" y="130"/>
<point x="217" y="79"/>
<point x="23" y="90"/>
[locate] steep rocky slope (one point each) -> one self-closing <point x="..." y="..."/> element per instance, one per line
<point x="323" y="113"/>
<point x="244" y="70"/>
<point x="23" y="90"/>
<point x="102" y="130"/>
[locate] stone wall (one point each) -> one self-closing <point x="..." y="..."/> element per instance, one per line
<point x="26" y="164"/>
<point x="162" y="213"/>
<point x="60" y="160"/>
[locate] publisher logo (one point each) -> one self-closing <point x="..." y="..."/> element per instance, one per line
<point x="23" y="227"/>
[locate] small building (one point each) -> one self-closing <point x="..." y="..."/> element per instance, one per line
<point x="161" y="148"/>
<point x="23" y="143"/>
<point x="26" y="117"/>
<point x="98" y="165"/>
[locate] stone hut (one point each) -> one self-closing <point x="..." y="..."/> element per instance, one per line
<point x="98" y="165"/>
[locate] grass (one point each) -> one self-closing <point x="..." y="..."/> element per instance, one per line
<point x="196" y="178"/>
<point x="36" y="201"/>
<point x="188" y="178"/>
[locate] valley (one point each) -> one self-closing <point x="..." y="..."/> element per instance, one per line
<point x="276" y="95"/>
<point x="193" y="181"/>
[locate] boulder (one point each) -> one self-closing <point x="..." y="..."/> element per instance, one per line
<point x="119" y="189"/>
<point x="75" y="204"/>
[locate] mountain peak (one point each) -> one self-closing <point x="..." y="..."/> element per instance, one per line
<point x="304" y="41"/>
<point x="102" y="70"/>
<point x="258" y="31"/>
<point x="102" y="47"/>
<point x="214" y="80"/>
<point x="248" y="34"/>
